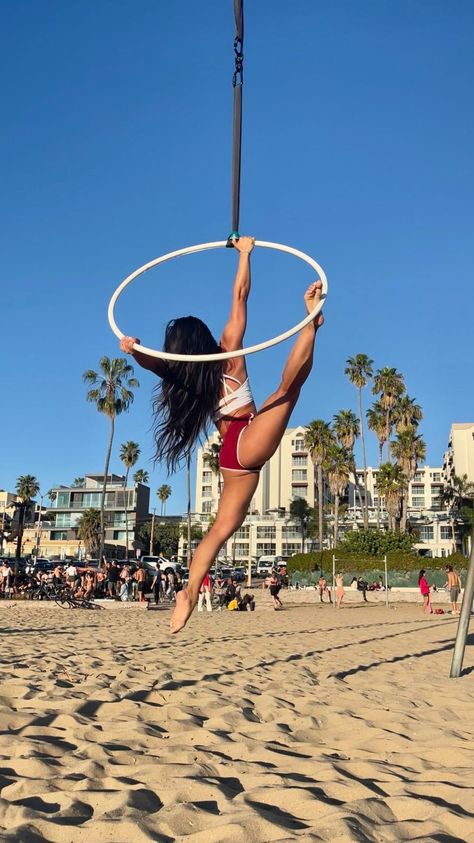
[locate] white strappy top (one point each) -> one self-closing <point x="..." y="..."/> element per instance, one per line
<point x="233" y="399"/>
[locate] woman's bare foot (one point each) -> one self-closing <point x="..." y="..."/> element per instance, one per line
<point x="311" y="298"/>
<point x="181" y="612"/>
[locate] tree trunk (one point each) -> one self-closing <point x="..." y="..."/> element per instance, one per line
<point x="320" y="505"/>
<point x="389" y="431"/>
<point x="126" y="514"/>
<point x="104" y="489"/>
<point x="378" y="493"/>
<point x="336" y="519"/>
<point x="364" y="461"/>
<point x="21" y="530"/>
<point x="403" y="520"/>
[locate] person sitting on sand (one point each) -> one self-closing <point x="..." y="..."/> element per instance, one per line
<point x="191" y="394"/>
<point x="247" y="604"/>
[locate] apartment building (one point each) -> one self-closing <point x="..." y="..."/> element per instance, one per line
<point x="58" y="534"/>
<point x="290" y="474"/>
<point x="459" y="457"/>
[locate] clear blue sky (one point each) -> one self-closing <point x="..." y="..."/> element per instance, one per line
<point x="115" y="148"/>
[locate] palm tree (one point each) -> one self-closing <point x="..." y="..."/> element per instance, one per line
<point x="346" y="427"/>
<point x="27" y="487"/>
<point x="112" y="395"/>
<point x="211" y="459"/>
<point x="391" y="483"/>
<point x="406" y="414"/>
<point x="359" y="370"/>
<point x="141" y="476"/>
<point x="301" y="511"/>
<point x="79" y="481"/>
<point x="129" y="453"/>
<point x="52" y="495"/>
<point x="389" y="384"/>
<point x="318" y="438"/>
<point x="88" y="529"/>
<point x="164" y="492"/>
<point x="409" y="450"/>
<point x="377" y="422"/>
<point x="338" y="466"/>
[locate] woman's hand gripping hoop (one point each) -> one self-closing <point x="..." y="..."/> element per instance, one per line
<point x="241" y="352"/>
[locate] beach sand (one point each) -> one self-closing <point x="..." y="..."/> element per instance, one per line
<point x="305" y="724"/>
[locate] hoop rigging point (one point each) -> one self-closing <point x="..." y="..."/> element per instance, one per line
<point x="225" y="355"/>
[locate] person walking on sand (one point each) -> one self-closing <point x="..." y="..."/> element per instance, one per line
<point x="205" y="594"/>
<point x="425" y="592"/>
<point x="189" y="395"/>
<point x="454" y="586"/>
<point x="339" y="590"/>
<point x="274" y="585"/>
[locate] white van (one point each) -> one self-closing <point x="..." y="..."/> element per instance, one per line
<point x="266" y="564"/>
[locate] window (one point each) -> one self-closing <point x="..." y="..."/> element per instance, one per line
<point x="418" y="502"/>
<point x="207" y="477"/>
<point x="242" y="533"/>
<point x="290" y="532"/>
<point x="265" y="532"/>
<point x="90" y="500"/>
<point x="299" y="474"/>
<point x="58" y="535"/>
<point x="266" y="549"/>
<point x="66" y="519"/>
<point x="419" y="475"/>
<point x="298" y="444"/>
<point x="288" y="549"/>
<point x="118" y="519"/>
<point x="206" y="506"/>
<point x="206" y="491"/>
<point x="445" y="532"/>
<point x="62" y="499"/>
<point x="417" y="490"/>
<point x="426" y="533"/>
<point x="119" y="535"/>
<point x="300" y="492"/>
<point x="436" y="476"/>
<point x="241" y="550"/>
<point x="300" y="460"/>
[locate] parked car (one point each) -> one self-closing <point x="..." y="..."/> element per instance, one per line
<point x="239" y="574"/>
<point x="266" y="564"/>
<point x="153" y="562"/>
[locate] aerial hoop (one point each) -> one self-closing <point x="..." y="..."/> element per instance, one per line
<point x="226" y="355"/>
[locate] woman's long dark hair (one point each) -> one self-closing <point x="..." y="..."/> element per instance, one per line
<point x="186" y="397"/>
<point x="421" y="575"/>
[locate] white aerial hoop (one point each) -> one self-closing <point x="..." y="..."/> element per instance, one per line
<point x="226" y="355"/>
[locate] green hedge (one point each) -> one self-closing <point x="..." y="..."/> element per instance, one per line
<point x="397" y="560"/>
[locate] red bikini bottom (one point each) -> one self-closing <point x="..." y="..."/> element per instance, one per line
<point x="229" y="453"/>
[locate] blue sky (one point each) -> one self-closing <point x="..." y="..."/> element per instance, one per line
<point x="115" y="149"/>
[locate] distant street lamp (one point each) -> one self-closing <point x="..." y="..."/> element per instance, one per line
<point x="38" y="527"/>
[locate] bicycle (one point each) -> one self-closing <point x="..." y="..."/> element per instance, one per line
<point x="67" y="600"/>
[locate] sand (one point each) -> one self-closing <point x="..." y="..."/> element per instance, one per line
<point x="306" y="724"/>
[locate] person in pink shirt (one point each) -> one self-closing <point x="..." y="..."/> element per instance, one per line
<point x="425" y="592"/>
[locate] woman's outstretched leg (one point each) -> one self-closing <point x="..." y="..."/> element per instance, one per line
<point x="261" y="438"/>
<point x="235" y="500"/>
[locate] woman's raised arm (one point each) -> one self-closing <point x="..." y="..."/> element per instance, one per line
<point x="233" y="333"/>
<point x="153" y="364"/>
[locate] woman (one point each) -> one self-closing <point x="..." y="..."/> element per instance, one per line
<point x="425" y="592"/>
<point x="191" y="395"/>
<point x="339" y="590"/>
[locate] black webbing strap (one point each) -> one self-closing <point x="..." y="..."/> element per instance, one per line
<point x="237" y="81"/>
